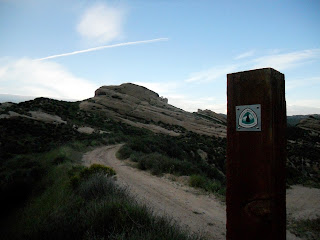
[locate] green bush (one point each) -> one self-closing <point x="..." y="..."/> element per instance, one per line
<point x="99" y="209"/>
<point x="198" y="181"/>
<point x="81" y="174"/>
<point x="214" y="186"/>
<point x="135" y="156"/>
<point x="306" y="228"/>
<point x="124" y="152"/>
<point x="159" y="163"/>
<point x="60" y="159"/>
<point x="97" y="169"/>
<point x="97" y="186"/>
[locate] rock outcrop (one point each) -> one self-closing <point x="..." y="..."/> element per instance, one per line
<point x="213" y="116"/>
<point x="141" y="107"/>
<point x="312" y="123"/>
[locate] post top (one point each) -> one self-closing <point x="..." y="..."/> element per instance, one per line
<point x="268" y="70"/>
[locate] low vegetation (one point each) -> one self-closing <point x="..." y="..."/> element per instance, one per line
<point x="303" y="151"/>
<point x="68" y="201"/>
<point x="180" y="156"/>
<point x="46" y="193"/>
<point x="308" y="229"/>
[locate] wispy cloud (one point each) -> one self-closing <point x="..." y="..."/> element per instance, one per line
<point x="101" y="23"/>
<point x="245" y="55"/>
<point x="191" y="104"/>
<point x="301" y="110"/>
<point x="211" y="74"/>
<point x="187" y="102"/>
<point x="302" y="106"/>
<point x="277" y="61"/>
<point x="43" y="79"/>
<point x="286" y="60"/>
<point x="303" y="82"/>
<point x="102" y="47"/>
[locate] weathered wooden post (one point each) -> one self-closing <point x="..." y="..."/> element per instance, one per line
<point x="256" y="204"/>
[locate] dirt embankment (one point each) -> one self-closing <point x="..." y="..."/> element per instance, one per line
<point x="198" y="212"/>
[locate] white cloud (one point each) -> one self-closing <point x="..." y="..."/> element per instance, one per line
<point x="101" y="23"/>
<point x="191" y="104"/>
<point x="212" y="74"/>
<point x="302" y="106"/>
<point x="101" y="47"/>
<point x="245" y="55"/>
<point x="291" y="84"/>
<point x="43" y="79"/>
<point x="301" y="110"/>
<point x="171" y="91"/>
<point x="277" y="61"/>
<point x="286" y="60"/>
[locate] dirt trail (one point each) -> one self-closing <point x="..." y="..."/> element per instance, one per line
<point x="197" y="212"/>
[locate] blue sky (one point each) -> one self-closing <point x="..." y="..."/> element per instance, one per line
<point x="194" y="45"/>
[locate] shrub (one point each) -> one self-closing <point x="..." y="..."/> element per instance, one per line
<point x="214" y="186"/>
<point x="99" y="210"/>
<point x="157" y="163"/>
<point x="135" y="156"/>
<point x="78" y="175"/>
<point x="306" y="228"/>
<point x="60" y="159"/>
<point x="197" y="181"/>
<point x="97" y="186"/>
<point x="124" y="152"/>
<point x="97" y="169"/>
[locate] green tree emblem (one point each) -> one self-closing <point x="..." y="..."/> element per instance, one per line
<point x="247" y="118"/>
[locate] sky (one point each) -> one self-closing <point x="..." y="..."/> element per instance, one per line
<point x="181" y="49"/>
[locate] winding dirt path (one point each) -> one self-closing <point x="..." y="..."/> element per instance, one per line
<point x="197" y="212"/>
<point x="200" y="213"/>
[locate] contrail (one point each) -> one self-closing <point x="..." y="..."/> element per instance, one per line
<point x="102" y="47"/>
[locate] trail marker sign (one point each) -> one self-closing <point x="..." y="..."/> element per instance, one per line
<point x="256" y="159"/>
<point x="248" y="118"/>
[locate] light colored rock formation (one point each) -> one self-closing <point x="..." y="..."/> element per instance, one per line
<point x="212" y="115"/>
<point x="36" y="115"/>
<point x="45" y="117"/>
<point x="138" y="105"/>
<point x="86" y="130"/>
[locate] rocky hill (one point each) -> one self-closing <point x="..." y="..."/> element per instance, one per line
<point x="141" y="107"/>
<point x="114" y="109"/>
<point x="311" y="123"/>
<point x="296" y="119"/>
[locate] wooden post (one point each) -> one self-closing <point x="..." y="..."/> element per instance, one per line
<point x="256" y="203"/>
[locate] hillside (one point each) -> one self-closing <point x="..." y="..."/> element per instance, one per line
<point x="116" y="113"/>
<point x="44" y="137"/>
<point x="42" y="142"/>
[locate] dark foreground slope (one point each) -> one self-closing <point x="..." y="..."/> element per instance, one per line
<point x="47" y="194"/>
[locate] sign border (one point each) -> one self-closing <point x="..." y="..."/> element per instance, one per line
<point x="256" y="108"/>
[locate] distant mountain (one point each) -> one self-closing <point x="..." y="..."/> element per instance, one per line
<point x="295" y="119"/>
<point x="14" y="98"/>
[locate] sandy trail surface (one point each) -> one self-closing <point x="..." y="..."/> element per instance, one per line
<point x="198" y="212"/>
